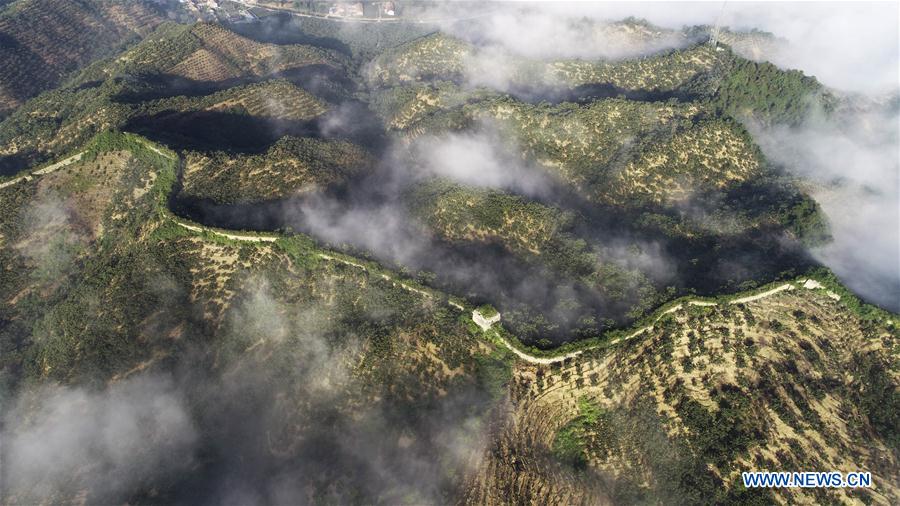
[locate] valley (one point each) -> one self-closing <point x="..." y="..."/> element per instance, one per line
<point x="293" y="259"/>
<point x="554" y="388"/>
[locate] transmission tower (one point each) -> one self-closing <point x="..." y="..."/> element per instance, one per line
<point x="716" y="30"/>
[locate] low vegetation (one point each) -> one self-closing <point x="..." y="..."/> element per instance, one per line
<point x="291" y="166"/>
<point x="655" y="208"/>
<point x="44" y="40"/>
<point x="709" y="392"/>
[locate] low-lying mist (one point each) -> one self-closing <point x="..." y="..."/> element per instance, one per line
<point x="272" y="407"/>
<point x="852" y="163"/>
<point x="823" y="39"/>
<point x="377" y="216"/>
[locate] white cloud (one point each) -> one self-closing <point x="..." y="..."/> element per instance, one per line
<point x="480" y="158"/>
<point x="854" y="162"/>
<point x="63" y="440"/>
<point x="851" y="46"/>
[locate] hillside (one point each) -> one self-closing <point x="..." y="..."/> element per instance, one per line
<point x="557" y="251"/>
<point x="458" y="213"/>
<point x="44" y="40"/>
<point x="592" y="146"/>
<point x="291" y="166"/>
<point x="258" y="305"/>
<point x="644" y="183"/>
<point x="209" y="53"/>
<point x="243" y="79"/>
<point x="699" y="72"/>
<point x="56" y="122"/>
<point x="799" y="379"/>
<point x="650" y="154"/>
<point x="801" y="375"/>
<point x="317" y="260"/>
<point x="439" y="56"/>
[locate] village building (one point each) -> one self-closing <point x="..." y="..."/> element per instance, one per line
<point x="347" y="10"/>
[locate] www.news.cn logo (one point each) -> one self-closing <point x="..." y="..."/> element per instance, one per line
<point x="833" y="479"/>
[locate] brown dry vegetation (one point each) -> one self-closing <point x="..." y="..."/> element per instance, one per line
<point x="88" y="188"/>
<point x="778" y="379"/>
<point x="657" y="73"/>
<point x="615" y="151"/>
<point x="100" y="281"/>
<point x="465" y="214"/>
<point x="787" y="377"/>
<point x="223" y="54"/>
<point x="272" y="99"/>
<point x="424" y="58"/>
<point x="439" y="56"/>
<point x="58" y="120"/>
<point x="711" y="156"/>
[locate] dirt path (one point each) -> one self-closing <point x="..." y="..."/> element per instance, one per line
<point x="347" y="262"/>
<point x="256" y="238"/>
<point x="703" y="303"/>
<point x="26" y="177"/>
<point x="46" y="170"/>
<point x="751" y="298"/>
<point x="236" y="237"/>
<point x="58" y="165"/>
<point x="516" y="351"/>
<point x="69" y="161"/>
<point x="264" y="238"/>
<point x="531" y="359"/>
<point x="158" y="151"/>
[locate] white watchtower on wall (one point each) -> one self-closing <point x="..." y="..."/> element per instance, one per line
<point x="485" y="317"/>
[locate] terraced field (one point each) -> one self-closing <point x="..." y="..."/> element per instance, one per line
<point x="57" y="121"/>
<point x="43" y="40"/>
<point x="207" y="52"/>
<point x="224" y="55"/>
<point x="277" y="99"/>
<point x="202" y="58"/>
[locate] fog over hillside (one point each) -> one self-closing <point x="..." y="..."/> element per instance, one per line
<point x="247" y="365"/>
<point x="801" y="34"/>
<point x="852" y="47"/>
<point x="854" y="163"/>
